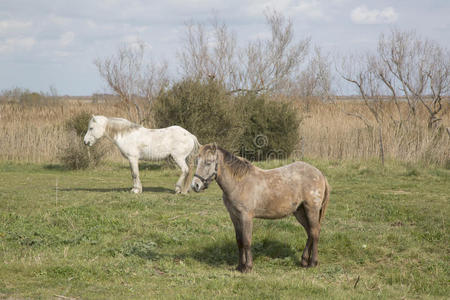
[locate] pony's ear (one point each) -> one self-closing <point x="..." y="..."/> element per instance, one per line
<point x="93" y="118"/>
<point x="214" y="147"/>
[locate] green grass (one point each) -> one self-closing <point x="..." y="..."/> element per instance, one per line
<point x="91" y="238"/>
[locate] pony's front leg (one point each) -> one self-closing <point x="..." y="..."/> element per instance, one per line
<point x="247" y="243"/>
<point x="244" y="240"/>
<point x="181" y="186"/>
<point x="137" y="186"/>
<point x="238" y="231"/>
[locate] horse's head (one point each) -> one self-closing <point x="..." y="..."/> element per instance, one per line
<point x="96" y="129"/>
<point x="207" y="164"/>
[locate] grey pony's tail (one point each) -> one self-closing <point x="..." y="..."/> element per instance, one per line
<point x="325" y="201"/>
<point x="190" y="159"/>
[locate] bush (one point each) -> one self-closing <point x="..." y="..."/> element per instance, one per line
<point x="203" y="109"/>
<point x="76" y="155"/>
<point x="250" y="125"/>
<point x="269" y="128"/>
<point x="79" y="123"/>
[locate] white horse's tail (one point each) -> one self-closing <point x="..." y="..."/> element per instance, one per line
<point x="190" y="159"/>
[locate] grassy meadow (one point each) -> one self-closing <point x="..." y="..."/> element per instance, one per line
<point x="81" y="234"/>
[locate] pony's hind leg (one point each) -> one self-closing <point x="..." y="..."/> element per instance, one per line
<point x="300" y="214"/>
<point x="137" y="186"/>
<point x="180" y="186"/>
<point x="313" y="216"/>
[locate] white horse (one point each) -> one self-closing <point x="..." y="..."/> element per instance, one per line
<point x="136" y="142"/>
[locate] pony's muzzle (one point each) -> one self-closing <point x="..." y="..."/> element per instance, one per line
<point x="196" y="186"/>
<point x="87" y="142"/>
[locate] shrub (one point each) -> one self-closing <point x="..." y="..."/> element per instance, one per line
<point x="249" y="125"/>
<point x="203" y="109"/>
<point x="79" y="123"/>
<point x="269" y="128"/>
<point x="76" y="155"/>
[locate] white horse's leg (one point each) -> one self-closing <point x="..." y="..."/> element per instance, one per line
<point x="134" y="165"/>
<point x="180" y="185"/>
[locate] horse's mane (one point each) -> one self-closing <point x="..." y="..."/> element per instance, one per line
<point x="238" y="166"/>
<point x="116" y="126"/>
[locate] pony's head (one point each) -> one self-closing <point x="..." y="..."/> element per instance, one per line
<point x="96" y="129"/>
<point x="207" y="164"/>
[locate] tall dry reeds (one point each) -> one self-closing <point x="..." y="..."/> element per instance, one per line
<point x="328" y="131"/>
<point x="36" y="133"/>
<point x="344" y="130"/>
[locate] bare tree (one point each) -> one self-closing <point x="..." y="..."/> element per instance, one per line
<point x="153" y="79"/>
<point x="405" y="68"/>
<point x="361" y="71"/>
<point x="263" y="65"/>
<point x="273" y="63"/>
<point x="315" y="79"/>
<point x="417" y="70"/>
<point x="133" y="80"/>
<point x="195" y="56"/>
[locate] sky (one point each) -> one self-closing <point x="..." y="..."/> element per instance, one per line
<point x="53" y="43"/>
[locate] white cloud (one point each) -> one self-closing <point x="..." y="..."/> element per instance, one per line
<point x="256" y="8"/>
<point x="311" y="9"/>
<point x="16" y="44"/>
<point x="62" y="53"/>
<point x="11" y="26"/>
<point x="66" y="38"/>
<point x="363" y="15"/>
<point x="59" y="20"/>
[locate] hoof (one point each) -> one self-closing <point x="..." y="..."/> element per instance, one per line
<point x="304" y="263"/>
<point x="177" y="190"/>
<point x="313" y="264"/>
<point x="136" y="190"/>
<point x="244" y="269"/>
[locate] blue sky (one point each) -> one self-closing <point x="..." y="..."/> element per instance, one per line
<point x="47" y="43"/>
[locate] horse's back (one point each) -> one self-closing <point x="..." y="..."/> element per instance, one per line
<point x="278" y="192"/>
<point x="306" y="177"/>
<point x="296" y="171"/>
<point x="176" y="128"/>
<point x="162" y="142"/>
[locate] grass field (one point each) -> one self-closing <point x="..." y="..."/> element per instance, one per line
<point x="81" y="234"/>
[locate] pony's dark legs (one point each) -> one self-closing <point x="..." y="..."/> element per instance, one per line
<point x="314" y="228"/>
<point x="309" y="218"/>
<point x="134" y="165"/>
<point x="243" y="226"/>
<point x="247" y="229"/>
<point x="302" y="219"/>
<point x="238" y="231"/>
